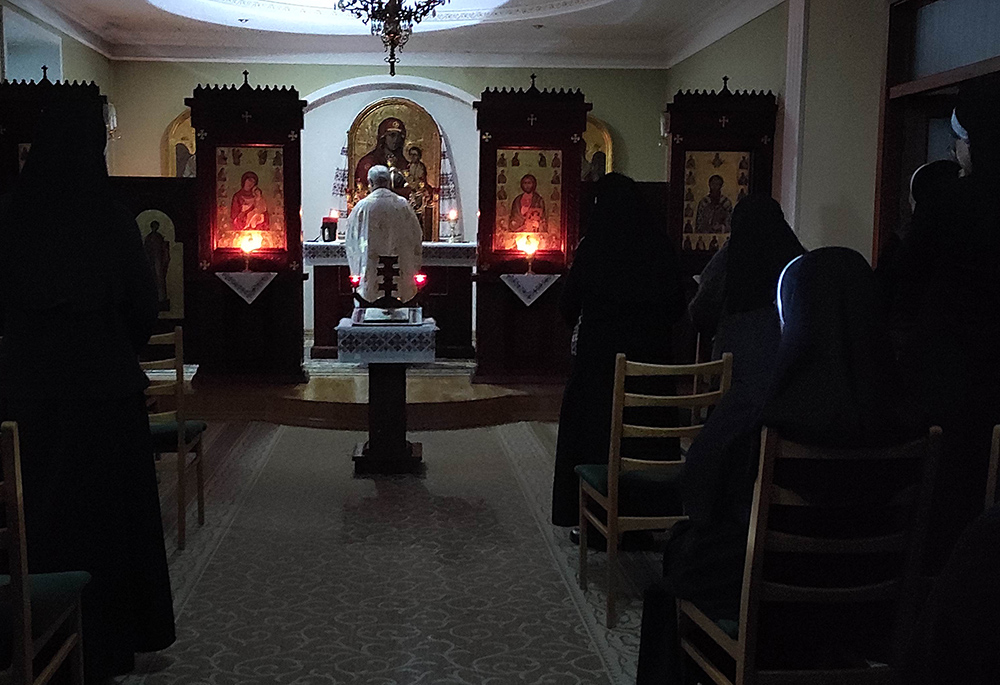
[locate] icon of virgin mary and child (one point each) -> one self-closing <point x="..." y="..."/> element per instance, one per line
<point x="248" y="210"/>
<point x="527" y="211"/>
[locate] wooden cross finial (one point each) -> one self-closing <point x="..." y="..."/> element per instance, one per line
<point x="45" y="73"/>
<point x="246" y="77"/>
<point x="725" y="83"/>
<point x="388" y="269"/>
<point x="533" y="77"/>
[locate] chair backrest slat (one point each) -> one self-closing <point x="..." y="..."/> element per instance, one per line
<point x="163" y="416"/>
<point x="786" y="542"/>
<point x="715" y="368"/>
<point x="164" y="338"/>
<point x="704" y="399"/>
<point x="158" y="365"/>
<point x="629" y="431"/>
<point x="878" y="592"/>
<point x="651" y="465"/>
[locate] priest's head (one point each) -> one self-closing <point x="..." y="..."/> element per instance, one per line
<point x="379" y="177"/>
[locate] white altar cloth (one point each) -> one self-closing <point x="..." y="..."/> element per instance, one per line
<point x="389" y="344"/>
<point x="529" y="287"/>
<point x="247" y="284"/>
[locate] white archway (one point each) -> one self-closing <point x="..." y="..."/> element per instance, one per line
<point x="363" y="84"/>
<point x="331" y="110"/>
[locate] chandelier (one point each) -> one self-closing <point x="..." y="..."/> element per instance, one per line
<point x="391" y="20"/>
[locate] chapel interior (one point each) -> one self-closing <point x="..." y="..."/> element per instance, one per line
<point x="499" y="341"/>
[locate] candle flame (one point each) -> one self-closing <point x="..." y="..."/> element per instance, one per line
<point x="420" y="279"/>
<point x="334" y="214"/>
<point x="355" y="280"/>
<point x="251" y="243"/>
<point x="453" y="215"/>
<point x="527" y="244"/>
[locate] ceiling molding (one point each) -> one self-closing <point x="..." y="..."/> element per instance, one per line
<point x="720" y="23"/>
<point x="373" y="59"/>
<point x="76" y="30"/>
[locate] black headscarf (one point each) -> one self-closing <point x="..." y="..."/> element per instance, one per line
<point x="54" y="231"/>
<point x="977" y="112"/>
<point x="836" y="382"/>
<point x="760" y="246"/>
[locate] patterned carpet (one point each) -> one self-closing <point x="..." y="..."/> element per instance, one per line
<point x="304" y="574"/>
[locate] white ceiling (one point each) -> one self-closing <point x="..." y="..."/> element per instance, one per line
<point x="543" y="33"/>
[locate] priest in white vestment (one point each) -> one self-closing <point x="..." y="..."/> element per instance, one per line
<point x="383" y="224"/>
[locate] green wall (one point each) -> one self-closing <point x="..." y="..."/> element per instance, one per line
<point x="752" y="56"/>
<point x="844" y="76"/>
<point x="80" y="63"/>
<point x="150" y="94"/>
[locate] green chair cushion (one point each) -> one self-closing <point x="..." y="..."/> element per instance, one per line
<point x="640" y="493"/>
<point x="165" y="434"/>
<point x="51" y="595"/>
<point x="729" y="627"/>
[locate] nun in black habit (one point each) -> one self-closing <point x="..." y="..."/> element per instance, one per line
<point x="834" y="384"/>
<point x="78" y="301"/>
<point x="624" y="289"/>
<point x="947" y="311"/>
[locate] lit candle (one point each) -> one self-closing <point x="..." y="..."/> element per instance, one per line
<point x="328" y="230"/>
<point x="420" y="280"/>
<point x="453" y="216"/>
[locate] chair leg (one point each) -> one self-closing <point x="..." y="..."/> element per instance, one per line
<point x="76" y="659"/>
<point x="200" y="478"/>
<point x="583" y="540"/>
<point x="612" y="544"/>
<point x="181" y="499"/>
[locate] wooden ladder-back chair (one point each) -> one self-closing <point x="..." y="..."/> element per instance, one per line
<point x="903" y="539"/>
<point x="173" y="432"/>
<point x="991" y="474"/>
<point x="38" y="609"/>
<point x="603" y="484"/>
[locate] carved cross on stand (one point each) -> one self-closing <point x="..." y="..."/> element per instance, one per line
<point x="725" y="83"/>
<point x="533" y="77"/>
<point x="246" y="77"/>
<point x="532" y="119"/>
<point x="246" y="117"/>
<point x="388" y="269"/>
<point x="724" y="120"/>
<point x="45" y="73"/>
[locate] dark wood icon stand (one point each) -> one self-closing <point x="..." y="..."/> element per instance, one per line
<point x="387" y="450"/>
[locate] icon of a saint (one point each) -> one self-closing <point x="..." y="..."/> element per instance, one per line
<point x="556" y="180"/>
<point x="688" y="228"/>
<point x="715" y="209"/>
<point x="501" y="193"/>
<point x="262" y="157"/>
<point x="515" y="160"/>
<point x="556" y="162"/>
<point x="388" y="151"/>
<point x="223" y="159"/>
<point x="527" y="211"/>
<point x="690" y="163"/>
<point x="248" y="210"/>
<point x="277" y="158"/>
<point x="237" y="156"/>
<point x="502" y="162"/>
<point x="502" y="178"/>
<point x="157" y="249"/>
<point x="689" y="180"/>
<point x="541" y="160"/>
<point x="717" y="161"/>
<point x="744" y="163"/>
<point x="687" y="242"/>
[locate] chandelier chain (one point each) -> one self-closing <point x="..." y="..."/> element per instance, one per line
<point x="391" y="20"/>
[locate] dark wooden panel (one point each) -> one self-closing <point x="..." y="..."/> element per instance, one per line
<point x="515" y="343"/>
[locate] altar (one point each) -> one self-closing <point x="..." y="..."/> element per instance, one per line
<point x="447" y="297"/>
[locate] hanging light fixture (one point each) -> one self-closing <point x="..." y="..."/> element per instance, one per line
<point x="391" y="20"/>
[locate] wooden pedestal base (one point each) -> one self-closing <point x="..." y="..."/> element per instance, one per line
<point x="410" y="461"/>
<point x="387" y="450"/>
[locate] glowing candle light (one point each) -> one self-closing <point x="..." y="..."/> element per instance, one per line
<point x="251" y="243"/>
<point x="420" y="279"/>
<point x="355" y="280"/>
<point x="528" y="245"/>
<point x="453" y="215"/>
